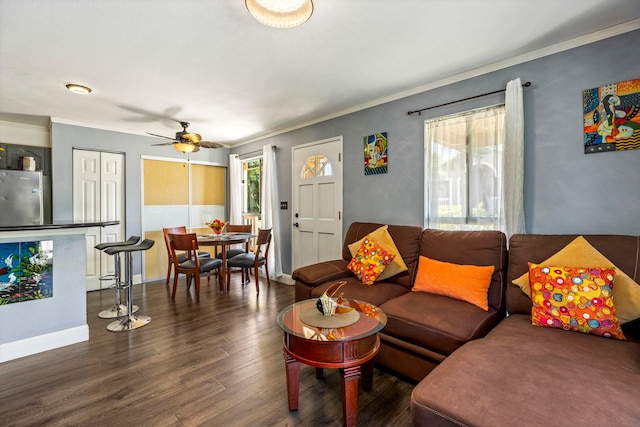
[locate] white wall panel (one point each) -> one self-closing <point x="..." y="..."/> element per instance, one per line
<point x="158" y="217"/>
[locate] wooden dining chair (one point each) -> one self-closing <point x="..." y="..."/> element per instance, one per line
<point x="181" y="255"/>
<point x="235" y="228"/>
<point x="194" y="265"/>
<point x="254" y="259"/>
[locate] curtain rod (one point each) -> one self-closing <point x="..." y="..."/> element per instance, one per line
<point x="251" y="153"/>
<point x="525" y="84"/>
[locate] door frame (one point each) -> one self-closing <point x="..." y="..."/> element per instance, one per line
<point x="339" y="139"/>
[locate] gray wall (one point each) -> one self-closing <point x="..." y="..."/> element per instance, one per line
<point x="565" y="191"/>
<point x="66" y="309"/>
<point x="67" y="137"/>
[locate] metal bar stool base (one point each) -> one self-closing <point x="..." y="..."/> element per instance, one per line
<point x="117" y="311"/>
<point x="128" y="323"/>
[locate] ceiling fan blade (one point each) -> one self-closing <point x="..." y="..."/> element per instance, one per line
<point x="160" y="136"/>
<point x="164" y="143"/>
<point x="209" y="144"/>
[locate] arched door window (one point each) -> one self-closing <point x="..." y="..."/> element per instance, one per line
<point x="316" y="166"/>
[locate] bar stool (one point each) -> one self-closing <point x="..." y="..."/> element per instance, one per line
<point x="130" y="321"/>
<point x="119" y="309"/>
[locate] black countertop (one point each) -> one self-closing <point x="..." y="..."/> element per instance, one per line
<point x="57" y="225"/>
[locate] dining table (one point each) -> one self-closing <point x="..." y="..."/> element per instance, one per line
<point x="224" y="240"/>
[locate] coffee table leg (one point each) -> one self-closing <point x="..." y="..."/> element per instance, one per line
<point x="367" y="376"/>
<point x="293" y="381"/>
<point x="350" y="378"/>
<point x="319" y="373"/>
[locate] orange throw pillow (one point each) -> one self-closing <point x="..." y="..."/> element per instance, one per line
<point x="468" y="283"/>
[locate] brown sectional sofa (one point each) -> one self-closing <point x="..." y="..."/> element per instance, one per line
<point x="483" y="368"/>
<point x="527" y="375"/>
<point x="412" y="342"/>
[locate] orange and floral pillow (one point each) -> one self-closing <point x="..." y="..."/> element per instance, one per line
<point x="574" y="299"/>
<point x="370" y="261"/>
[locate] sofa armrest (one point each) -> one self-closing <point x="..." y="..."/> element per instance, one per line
<point x="323" y="272"/>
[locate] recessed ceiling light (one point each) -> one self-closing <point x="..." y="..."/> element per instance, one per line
<point x="75" y="88"/>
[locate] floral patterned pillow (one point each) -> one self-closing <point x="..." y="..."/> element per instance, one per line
<point x="574" y="299"/>
<point x="370" y="261"/>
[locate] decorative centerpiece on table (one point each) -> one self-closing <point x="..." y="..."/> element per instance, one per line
<point x="331" y="311"/>
<point x="216" y="225"/>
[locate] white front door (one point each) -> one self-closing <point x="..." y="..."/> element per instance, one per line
<point x="98" y="195"/>
<point x="317" y="202"/>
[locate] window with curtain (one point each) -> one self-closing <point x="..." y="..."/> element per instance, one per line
<point x="252" y="180"/>
<point x="248" y="209"/>
<point x="464" y="170"/>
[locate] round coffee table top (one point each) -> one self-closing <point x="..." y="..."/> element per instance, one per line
<point x="370" y="320"/>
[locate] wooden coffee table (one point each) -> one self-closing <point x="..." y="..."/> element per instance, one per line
<point x="350" y="349"/>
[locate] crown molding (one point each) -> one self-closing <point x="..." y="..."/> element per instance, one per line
<point x="96" y="126"/>
<point x="536" y="54"/>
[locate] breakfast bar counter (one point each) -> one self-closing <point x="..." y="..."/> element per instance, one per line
<point x="43" y="286"/>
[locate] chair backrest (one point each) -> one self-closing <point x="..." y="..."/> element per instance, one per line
<point x="238" y="228"/>
<point x="184" y="242"/>
<point x="264" y="238"/>
<point x="172" y="230"/>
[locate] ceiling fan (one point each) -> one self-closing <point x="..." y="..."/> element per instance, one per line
<point x="186" y="142"/>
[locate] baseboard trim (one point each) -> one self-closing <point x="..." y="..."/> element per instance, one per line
<point x="28" y="346"/>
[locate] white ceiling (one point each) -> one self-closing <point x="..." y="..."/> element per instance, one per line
<point x="153" y="62"/>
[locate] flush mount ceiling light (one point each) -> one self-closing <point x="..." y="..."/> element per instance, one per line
<point x="75" y="88"/>
<point x="280" y="13"/>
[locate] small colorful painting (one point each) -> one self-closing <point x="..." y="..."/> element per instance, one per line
<point x="375" y="154"/>
<point x="26" y="272"/>
<point x="611" y="119"/>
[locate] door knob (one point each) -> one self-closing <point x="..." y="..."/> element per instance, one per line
<point x="295" y="224"/>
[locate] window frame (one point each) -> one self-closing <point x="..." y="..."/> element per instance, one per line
<point x="470" y="220"/>
<point x="245" y="185"/>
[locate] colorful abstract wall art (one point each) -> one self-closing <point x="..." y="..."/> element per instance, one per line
<point x="26" y="271"/>
<point x="611" y="117"/>
<point x="375" y="154"/>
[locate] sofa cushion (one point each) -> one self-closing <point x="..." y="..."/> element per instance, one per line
<point x="436" y="322"/>
<point x="524" y="375"/>
<point x="574" y="299"/>
<point x="384" y="239"/>
<point x="370" y="261"/>
<point x="622" y="251"/>
<point x="464" y="282"/>
<point x="471" y="247"/>
<point x="355" y="289"/>
<point x="406" y="239"/>
<point x="322" y="272"/>
<point x="579" y="253"/>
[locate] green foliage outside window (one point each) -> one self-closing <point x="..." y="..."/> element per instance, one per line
<point x="254" y="177"/>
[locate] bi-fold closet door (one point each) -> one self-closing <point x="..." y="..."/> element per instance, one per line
<point x="177" y="193"/>
<point x="99" y="195"/>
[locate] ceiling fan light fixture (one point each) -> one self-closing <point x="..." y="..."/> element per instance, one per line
<point x="186" y="147"/>
<point x="280" y="13"/>
<point x="192" y="137"/>
<point x="79" y="89"/>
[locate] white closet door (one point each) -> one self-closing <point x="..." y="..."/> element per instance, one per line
<point x="111" y="204"/>
<point x="98" y="195"/>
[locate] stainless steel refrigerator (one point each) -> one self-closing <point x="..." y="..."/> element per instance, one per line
<point x="20" y="197"/>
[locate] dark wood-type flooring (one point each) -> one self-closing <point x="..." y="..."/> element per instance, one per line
<point x="218" y="362"/>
